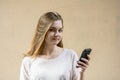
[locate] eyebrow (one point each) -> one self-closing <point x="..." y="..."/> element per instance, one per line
<point x="58" y="28"/>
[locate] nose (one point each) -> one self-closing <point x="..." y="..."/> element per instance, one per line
<point x="56" y="33"/>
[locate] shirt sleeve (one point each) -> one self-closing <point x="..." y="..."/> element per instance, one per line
<point x="24" y="70"/>
<point x="76" y="71"/>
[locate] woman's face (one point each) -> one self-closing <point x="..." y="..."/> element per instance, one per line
<point x="54" y="34"/>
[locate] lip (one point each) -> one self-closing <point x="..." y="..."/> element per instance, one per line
<point x="55" y="39"/>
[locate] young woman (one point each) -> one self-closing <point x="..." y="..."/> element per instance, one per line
<point x="47" y="59"/>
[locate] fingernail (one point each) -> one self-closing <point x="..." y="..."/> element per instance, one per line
<point x="82" y="58"/>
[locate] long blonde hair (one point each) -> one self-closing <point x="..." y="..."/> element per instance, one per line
<point x="43" y="25"/>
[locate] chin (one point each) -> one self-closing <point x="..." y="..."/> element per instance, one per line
<point x="55" y="43"/>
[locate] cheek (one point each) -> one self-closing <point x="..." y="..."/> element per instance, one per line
<point x="49" y="36"/>
<point x="60" y="35"/>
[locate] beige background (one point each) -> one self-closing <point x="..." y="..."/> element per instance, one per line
<point x="88" y="23"/>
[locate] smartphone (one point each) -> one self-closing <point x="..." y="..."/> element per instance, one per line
<point x="84" y="54"/>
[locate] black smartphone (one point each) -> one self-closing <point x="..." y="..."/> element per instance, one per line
<point x="84" y="54"/>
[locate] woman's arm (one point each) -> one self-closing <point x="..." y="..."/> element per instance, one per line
<point x="24" y="69"/>
<point x="83" y="66"/>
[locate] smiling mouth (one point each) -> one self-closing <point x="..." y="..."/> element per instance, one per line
<point x="55" y="39"/>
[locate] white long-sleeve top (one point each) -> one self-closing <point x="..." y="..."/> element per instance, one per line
<point x="62" y="67"/>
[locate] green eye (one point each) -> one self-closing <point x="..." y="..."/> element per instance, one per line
<point x="61" y="30"/>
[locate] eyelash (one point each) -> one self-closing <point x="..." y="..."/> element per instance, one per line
<point x="60" y="30"/>
<point x="52" y="30"/>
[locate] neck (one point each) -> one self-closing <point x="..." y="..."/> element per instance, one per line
<point x="48" y="50"/>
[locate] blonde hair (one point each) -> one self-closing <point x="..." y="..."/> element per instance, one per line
<point x="43" y="25"/>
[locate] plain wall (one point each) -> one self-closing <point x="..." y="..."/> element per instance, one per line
<point x="88" y="23"/>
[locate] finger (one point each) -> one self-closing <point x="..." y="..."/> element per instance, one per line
<point x="88" y="56"/>
<point x="85" y="60"/>
<point x="82" y="64"/>
<point x="82" y="67"/>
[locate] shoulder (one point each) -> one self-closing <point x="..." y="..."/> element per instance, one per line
<point x="26" y="60"/>
<point x="25" y="67"/>
<point x="70" y="52"/>
<point x="71" y="55"/>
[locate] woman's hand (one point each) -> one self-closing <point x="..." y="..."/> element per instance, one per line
<point x="82" y="64"/>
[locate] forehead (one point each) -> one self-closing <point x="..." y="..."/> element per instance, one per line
<point x="57" y="24"/>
